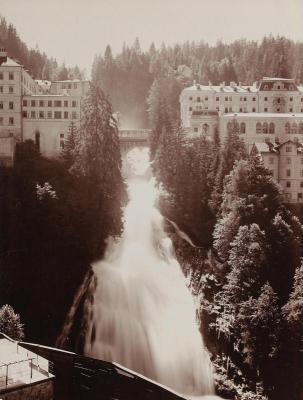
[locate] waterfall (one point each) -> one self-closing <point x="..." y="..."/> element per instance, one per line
<point x="141" y="313"/>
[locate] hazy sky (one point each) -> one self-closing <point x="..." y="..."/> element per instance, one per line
<point x="75" y="30"/>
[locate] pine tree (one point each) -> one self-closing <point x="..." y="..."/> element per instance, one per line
<point x="98" y="157"/>
<point x="10" y="323"/>
<point x="68" y="152"/>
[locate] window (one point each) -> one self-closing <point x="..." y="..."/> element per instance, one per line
<point x="288" y="172"/>
<point x="11" y="105"/>
<point x="33" y="114"/>
<point x="11" y="76"/>
<point x="33" y="103"/>
<point x="290" y="110"/>
<point x="205" y="129"/>
<point x="190" y="98"/>
<point x="294" y="128"/>
<point x="226" y="99"/>
<point x="288" y="160"/>
<point x="242" y="127"/>
<point x="217" y="99"/>
<point x="11" y="121"/>
<point x="290" y="99"/>
<point x="57" y="115"/>
<point x="301" y="184"/>
<point x="57" y="103"/>
<point x="258" y="127"/>
<point x="62" y="144"/>
<point x="288" y="184"/>
<point x="65" y="114"/>
<point x="24" y="103"/>
<point x="1" y="89"/>
<point x="253" y="110"/>
<point x="1" y="77"/>
<point x="253" y="99"/>
<point x="302" y="99"/>
<point x="300" y="196"/>
<point x="271" y="160"/>
<point x="49" y="103"/>
<point x="1" y="105"/>
<point x="11" y="90"/>
<point x="49" y="114"/>
<point x="190" y="108"/>
<point x="265" y="127"/>
<point x="74" y="115"/>
<point x="288" y="149"/>
<point x="271" y="127"/>
<point x="241" y="109"/>
<point x="301" y="160"/>
<point x="61" y="135"/>
<point x="65" y="103"/>
<point x="41" y="114"/>
<point x="226" y="110"/>
<point x="69" y="85"/>
<point x="195" y="129"/>
<point x="244" y="98"/>
<point x="265" y="98"/>
<point x="301" y="173"/>
<point x="206" y="98"/>
<point x="265" y="109"/>
<point x="41" y="103"/>
<point x="198" y="99"/>
<point x="24" y="114"/>
<point x="74" y="103"/>
<point x="1" y="120"/>
<point x="287" y="127"/>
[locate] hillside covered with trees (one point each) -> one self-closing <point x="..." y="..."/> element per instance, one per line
<point x="130" y="73"/>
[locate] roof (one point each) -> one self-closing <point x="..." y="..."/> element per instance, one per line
<point x="26" y="366"/>
<point x="71" y="81"/>
<point x="263" y="115"/>
<point x="222" y="89"/>
<point x="11" y="63"/>
<point x="264" y="147"/>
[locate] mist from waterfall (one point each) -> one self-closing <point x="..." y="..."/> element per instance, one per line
<point x="142" y="314"/>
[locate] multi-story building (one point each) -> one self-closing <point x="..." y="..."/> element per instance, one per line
<point x="37" y="110"/>
<point x="286" y="163"/>
<point x="268" y="116"/>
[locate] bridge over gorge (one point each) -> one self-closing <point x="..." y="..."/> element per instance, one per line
<point x="129" y="140"/>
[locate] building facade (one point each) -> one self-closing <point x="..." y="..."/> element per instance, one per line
<point x="37" y="110"/>
<point x="268" y="116"/>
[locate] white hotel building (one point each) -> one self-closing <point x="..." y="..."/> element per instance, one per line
<point x="37" y="110"/>
<point x="268" y="116"/>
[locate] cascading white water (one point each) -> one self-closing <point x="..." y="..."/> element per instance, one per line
<point x="143" y="315"/>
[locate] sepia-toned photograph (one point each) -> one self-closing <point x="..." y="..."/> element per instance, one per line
<point x="151" y="200"/>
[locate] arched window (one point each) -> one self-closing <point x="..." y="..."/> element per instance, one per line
<point x="301" y="128"/>
<point x="259" y="127"/>
<point x="293" y="128"/>
<point x="242" y="127"/>
<point x="271" y="127"/>
<point x="205" y="129"/>
<point x="37" y="140"/>
<point x="265" y="127"/>
<point x="287" y="127"/>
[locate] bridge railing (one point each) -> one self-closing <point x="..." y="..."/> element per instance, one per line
<point x="134" y="133"/>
